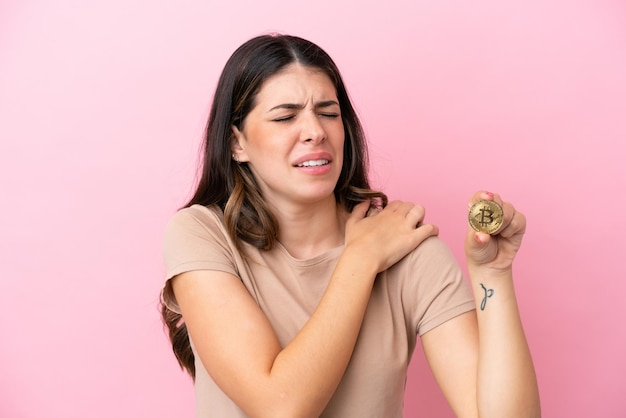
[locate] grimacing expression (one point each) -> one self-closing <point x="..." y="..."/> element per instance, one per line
<point x="293" y="138"/>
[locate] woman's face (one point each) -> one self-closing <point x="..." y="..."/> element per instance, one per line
<point x="293" y="138"/>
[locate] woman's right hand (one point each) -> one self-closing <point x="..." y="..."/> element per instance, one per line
<point x="388" y="235"/>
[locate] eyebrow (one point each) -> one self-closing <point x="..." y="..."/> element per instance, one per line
<point x="325" y="103"/>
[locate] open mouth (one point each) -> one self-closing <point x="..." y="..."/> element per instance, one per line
<point x="313" y="163"/>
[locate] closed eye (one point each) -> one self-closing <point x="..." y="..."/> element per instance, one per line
<point x="330" y="115"/>
<point x="284" y="118"/>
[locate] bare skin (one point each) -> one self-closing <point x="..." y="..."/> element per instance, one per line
<point x="293" y="141"/>
<point x="239" y="348"/>
<point x="296" y="120"/>
<point x="481" y="359"/>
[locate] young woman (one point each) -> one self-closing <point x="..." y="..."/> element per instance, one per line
<point x="294" y="290"/>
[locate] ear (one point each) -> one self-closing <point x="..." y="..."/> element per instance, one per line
<point x="238" y="139"/>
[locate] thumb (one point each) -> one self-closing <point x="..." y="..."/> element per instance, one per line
<point x="477" y="246"/>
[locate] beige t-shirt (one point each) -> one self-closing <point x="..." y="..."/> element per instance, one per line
<point x="420" y="292"/>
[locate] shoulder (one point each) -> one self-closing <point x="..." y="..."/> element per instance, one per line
<point x="431" y="266"/>
<point x="196" y="238"/>
<point x="197" y="215"/>
<point x="196" y="220"/>
<point x="432" y="285"/>
<point x="433" y="251"/>
<point x="196" y="229"/>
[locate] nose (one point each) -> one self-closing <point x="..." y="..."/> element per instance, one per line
<point x="312" y="129"/>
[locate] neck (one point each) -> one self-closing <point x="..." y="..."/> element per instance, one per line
<point x="309" y="230"/>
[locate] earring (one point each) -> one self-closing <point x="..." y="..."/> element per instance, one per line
<point x="235" y="158"/>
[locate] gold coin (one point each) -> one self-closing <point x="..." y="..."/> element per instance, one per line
<point x="486" y="216"/>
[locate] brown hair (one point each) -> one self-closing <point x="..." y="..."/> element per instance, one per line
<point x="232" y="186"/>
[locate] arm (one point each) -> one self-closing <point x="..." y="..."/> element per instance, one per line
<point x="239" y="348"/>
<point x="481" y="359"/>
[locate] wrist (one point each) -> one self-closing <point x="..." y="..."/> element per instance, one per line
<point x="487" y="273"/>
<point x="360" y="259"/>
<point x="357" y="266"/>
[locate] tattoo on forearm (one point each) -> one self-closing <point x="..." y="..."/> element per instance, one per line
<point x="488" y="294"/>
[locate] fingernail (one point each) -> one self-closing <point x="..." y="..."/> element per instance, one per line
<point x="481" y="238"/>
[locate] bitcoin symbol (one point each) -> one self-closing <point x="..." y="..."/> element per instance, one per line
<point x="485" y="216"/>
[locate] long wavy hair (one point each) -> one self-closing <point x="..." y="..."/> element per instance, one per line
<point x="231" y="186"/>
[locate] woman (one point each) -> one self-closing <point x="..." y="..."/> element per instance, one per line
<point x="286" y="296"/>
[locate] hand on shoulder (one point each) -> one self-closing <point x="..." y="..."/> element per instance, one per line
<point x="387" y="235"/>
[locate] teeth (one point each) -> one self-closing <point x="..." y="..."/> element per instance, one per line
<point x="313" y="163"/>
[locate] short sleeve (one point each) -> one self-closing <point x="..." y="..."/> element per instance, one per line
<point x="437" y="289"/>
<point x="195" y="239"/>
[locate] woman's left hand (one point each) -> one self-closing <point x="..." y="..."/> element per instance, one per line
<point x="495" y="252"/>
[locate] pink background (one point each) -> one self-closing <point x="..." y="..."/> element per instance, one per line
<point x="102" y="106"/>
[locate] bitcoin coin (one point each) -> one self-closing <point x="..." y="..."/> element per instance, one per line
<point x="485" y="216"/>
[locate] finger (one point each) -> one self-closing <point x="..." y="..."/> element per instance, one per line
<point x="416" y="215"/>
<point x="485" y="195"/>
<point x="427" y="230"/>
<point x="413" y="213"/>
<point x="421" y="233"/>
<point x="394" y="206"/>
<point x="373" y="210"/>
<point x="517" y="225"/>
<point x="508" y="213"/>
<point x="359" y="211"/>
<point x="409" y="208"/>
<point x="477" y="240"/>
<point x="479" y="247"/>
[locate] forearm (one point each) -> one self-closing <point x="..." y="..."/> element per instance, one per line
<point x="311" y="366"/>
<point x="240" y="350"/>
<point x="506" y="381"/>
